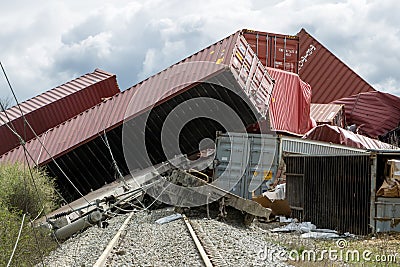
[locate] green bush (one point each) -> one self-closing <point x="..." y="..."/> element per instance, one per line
<point x="33" y="242"/>
<point x="20" y="194"/>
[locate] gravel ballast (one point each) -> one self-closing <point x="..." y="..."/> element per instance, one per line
<point x="84" y="248"/>
<point x="146" y="243"/>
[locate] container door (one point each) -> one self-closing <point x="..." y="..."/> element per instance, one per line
<point x="246" y="164"/>
<point x="275" y="50"/>
<point x="232" y="157"/>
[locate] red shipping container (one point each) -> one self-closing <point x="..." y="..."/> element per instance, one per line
<point x="328" y="76"/>
<point x="229" y="60"/>
<point x="373" y="113"/>
<point x="275" y="50"/>
<point x="337" y="135"/>
<point x="55" y="106"/>
<point x="290" y="103"/>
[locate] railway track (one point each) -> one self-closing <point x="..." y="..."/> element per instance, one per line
<point x="146" y="243"/>
<point x="137" y="239"/>
<point x="208" y="253"/>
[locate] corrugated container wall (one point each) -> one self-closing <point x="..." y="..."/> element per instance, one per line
<point x="337" y="135"/>
<point x="332" y="192"/>
<point x="295" y="145"/>
<point x="55" y="106"/>
<point x="78" y="144"/>
<point x="228" y="55"/>
<point x="387" y="214"/>
<point x="373" y="113"/>
<point x="290" y="103"/>
<point x="329" y="77"/>
<point x="248" y="163"/>
<point x="330" y="114"/>
<point x="275" y="50"/>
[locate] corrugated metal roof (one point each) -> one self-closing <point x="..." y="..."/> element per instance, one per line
<point x="337" y="135"/>
<point x="290" y="105"/>
<point x="328" y="76"/>
<point x="56" y="106"/>
<point x="303" y="146"/>
<point x="231" y="55"/>
<point x="332" y="114"/>
<point x="375" y="113"/>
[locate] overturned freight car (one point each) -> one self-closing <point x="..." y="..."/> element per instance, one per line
<point x="53" y="107"/>
<point x="223" y="87"/>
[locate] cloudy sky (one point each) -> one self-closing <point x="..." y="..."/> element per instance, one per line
<point x="46" y="43"/>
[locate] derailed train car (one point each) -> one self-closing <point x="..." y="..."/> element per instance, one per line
<point x="87" y="149"/>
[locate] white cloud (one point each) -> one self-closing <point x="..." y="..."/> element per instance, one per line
<point x="388" y="85"/>
<point x="48" y="43"/>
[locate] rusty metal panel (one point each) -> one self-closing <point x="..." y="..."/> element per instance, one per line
<point x="332" y="114"/>
<point x="333" y="192"/>
<point x="361" y="110"/>
<point x="275" y="50"/>
<point x="329" y="77"/>
<point x="55" y="106"/>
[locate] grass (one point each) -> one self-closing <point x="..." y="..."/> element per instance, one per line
<point x="359" y="251"/>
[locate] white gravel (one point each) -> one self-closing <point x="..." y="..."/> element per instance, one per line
<point x="146" y="243"/>
<point x="150" y="244"/>
<point x="239" y="245"/>
<point x="84" y="248"/>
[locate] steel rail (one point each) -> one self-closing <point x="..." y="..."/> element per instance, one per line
<point x="196" y="240"/>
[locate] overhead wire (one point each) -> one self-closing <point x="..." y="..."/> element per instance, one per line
<point x="26" y="153"/>
<point x="37" y="137"/>
<point x="25" y="183"/>
<point x="105" y="140"/>
<point x="16" y="242"/>
<point x="22" y="142"/>
<point x="36" y="165"/>
<point x="102" y="128"/>
<point x="57" y="165"/>
<point x="37" y="242"/>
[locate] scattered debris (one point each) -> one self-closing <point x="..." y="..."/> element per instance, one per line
<point x="319" y="235"/>
<point x="325" y="234"/>
<point x="304" y="227"/>
<point x="79" y="225"/>
<point x="278" y="207"/>
<point x="169" y="218"/>
<point x="190" y="197"/>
